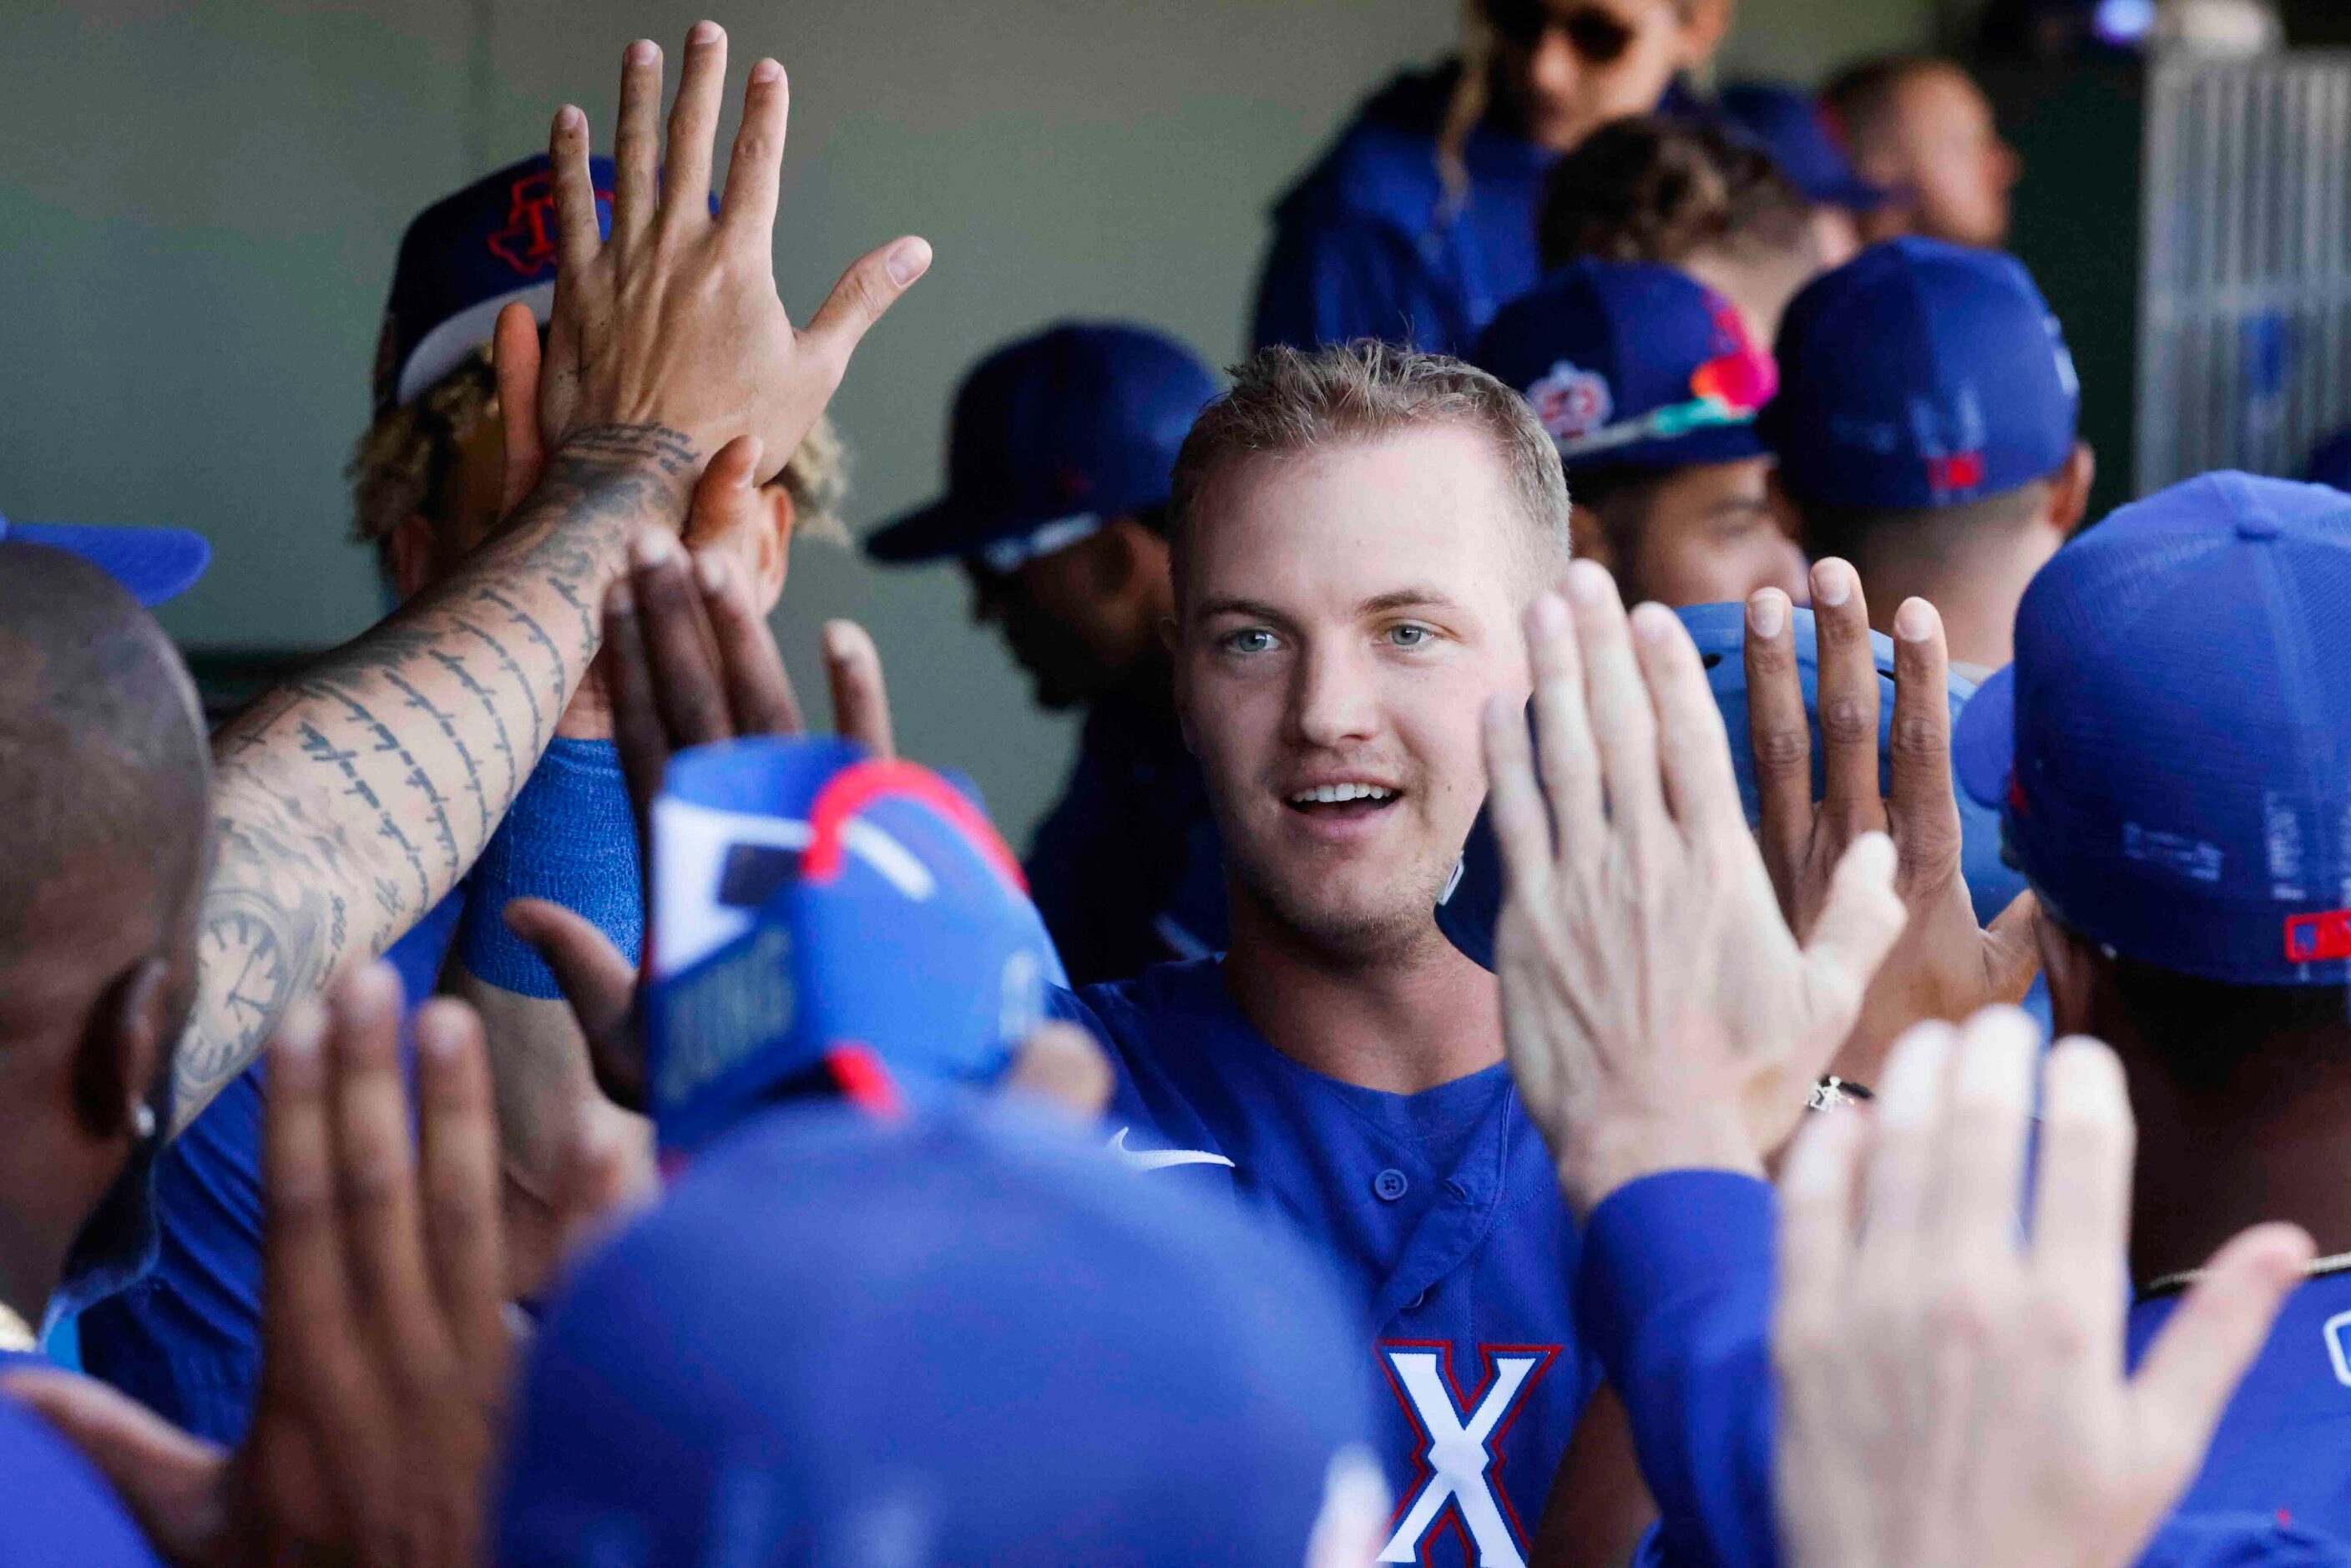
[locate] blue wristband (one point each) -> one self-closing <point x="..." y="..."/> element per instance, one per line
<point x="571" y="838"/>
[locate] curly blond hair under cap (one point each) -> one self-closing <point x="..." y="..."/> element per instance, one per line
<point x="403" y="463"/>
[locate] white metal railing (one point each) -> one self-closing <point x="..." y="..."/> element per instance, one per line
<point x="2246" y="287"/>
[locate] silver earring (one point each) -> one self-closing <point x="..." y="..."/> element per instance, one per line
<point x="142" y="1121"/>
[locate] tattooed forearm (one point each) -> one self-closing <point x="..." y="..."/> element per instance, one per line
<point x="456" y="740"/>
<point x="333" y="794"/>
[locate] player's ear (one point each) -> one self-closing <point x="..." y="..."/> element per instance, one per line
<point x="1784" y="510"/>
<point x="115" y="1061"/>
<point x="771" y="545"/>
<point x="2076" y="969"/>
<point x="2069" y="490"/>
<point x="1705" y="23"/>
<point x="1587" y="537"/>
<point x="1108" y="558"/>
<point x="408" y="554"/>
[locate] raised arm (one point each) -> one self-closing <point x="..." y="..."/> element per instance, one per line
<point x="350" y="800"/>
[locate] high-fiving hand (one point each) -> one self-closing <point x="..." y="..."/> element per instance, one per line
<point x="385" y="1352"/>
<point x="1952" y="1393"/>
<point x="674" y="321"/>
<point x="689" y="661"/>
<point x="692" y="662"/>
<point x="1657" y="1009"/>
<point x="1945" y="966"/>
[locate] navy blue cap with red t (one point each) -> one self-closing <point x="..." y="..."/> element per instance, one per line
<point x="2172" y="751"/>
<point x="463" y="260"/>
<point x="1787" y="123"/>
<point x="1920" y="374"/>
<point x="1051" y="437"/>
<point x="1631" y="365"/>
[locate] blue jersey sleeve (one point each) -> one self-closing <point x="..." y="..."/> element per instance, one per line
<point x="1674" y="1292"/>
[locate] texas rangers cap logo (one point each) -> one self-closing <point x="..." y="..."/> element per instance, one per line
<point x="1571" y="401"/>
<point x="527" y="244"/>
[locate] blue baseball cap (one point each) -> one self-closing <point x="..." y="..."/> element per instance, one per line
<point x="828" y="921"/>
<point x="463" y="260"/>
<point x="1051" y="437"/>
<point x="2331" y="464"/>
<point x="1473" y="901"/>
<point x="965" y="1336"/>
<point x="1631" y="365"/>
<point x="1787" y="123"/>
<point x="1920" y="374"/>
<point x="153" y="564"/>
<point x="2170" y="752"/>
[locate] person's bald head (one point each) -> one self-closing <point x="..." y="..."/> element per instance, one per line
<point x="104" y="839"/>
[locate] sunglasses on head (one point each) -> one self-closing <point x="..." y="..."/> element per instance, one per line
<point x="1597" y="35"/>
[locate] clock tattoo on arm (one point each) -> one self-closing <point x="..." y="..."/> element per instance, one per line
<point x="253" y="958"/>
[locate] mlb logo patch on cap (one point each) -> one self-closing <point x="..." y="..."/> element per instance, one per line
<point x="1573" y="404"/>
<point x="828" y="922"/>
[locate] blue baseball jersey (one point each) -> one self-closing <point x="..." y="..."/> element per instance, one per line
<point x="2284" y="1449"/>
<point x="1675" y="1291"/>
<point x="1370" y="243"/>
<point x="1440" y="1213"/>
<point x="185" y="1339"/>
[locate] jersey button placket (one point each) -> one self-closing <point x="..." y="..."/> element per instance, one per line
<point x="1390" y="1184"/>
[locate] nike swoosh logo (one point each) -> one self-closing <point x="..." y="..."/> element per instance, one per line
<point x="1160" y="1159"/>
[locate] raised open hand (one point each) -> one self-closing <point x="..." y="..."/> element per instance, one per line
<point x="1945" y="966"/>
<point x="1951" y="1393"/>
<point x="385" y="1354"/>
<point x="673" y="324"/>
<point x="1657" y="1009"/>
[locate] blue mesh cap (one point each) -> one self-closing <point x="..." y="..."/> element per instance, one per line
<point x="1052" y="436"/>
<point x="1920" y="374"/>
<point x="961" y="1337"/>
<point x="1474" y="901"/>
<point x="1786" y="122"/>
<point x="154" y="564"/>
<point x="2172" y="751"/>
<point x="1631" y="365"/>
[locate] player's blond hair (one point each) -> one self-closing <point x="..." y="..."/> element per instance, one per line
<point x="1286" y="401"/>
<point x="401" y="466"/>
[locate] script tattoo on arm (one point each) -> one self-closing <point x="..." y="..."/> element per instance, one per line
<point x="350" y="800"/>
